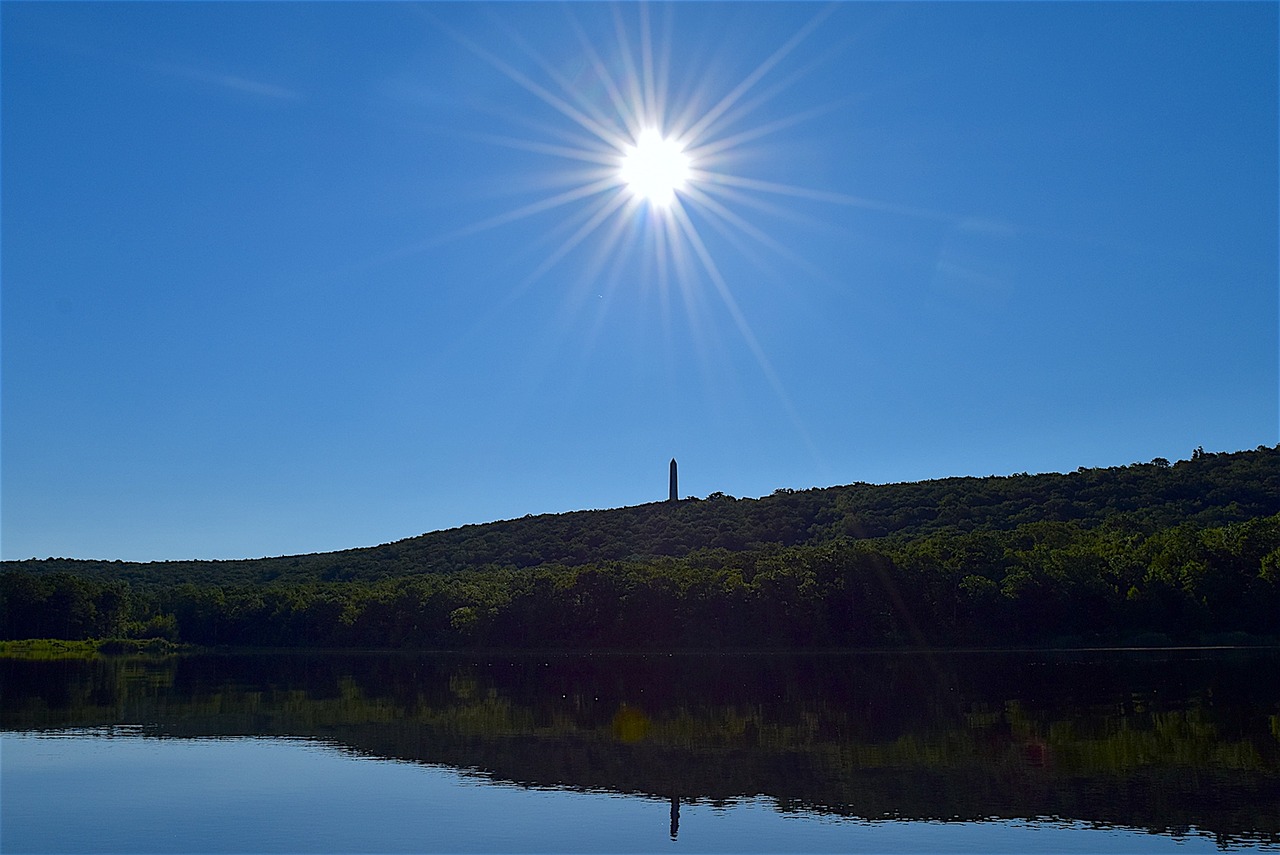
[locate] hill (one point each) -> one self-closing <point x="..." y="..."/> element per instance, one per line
<point x="1208" y="489"/>
<point x="1177" y="551"/>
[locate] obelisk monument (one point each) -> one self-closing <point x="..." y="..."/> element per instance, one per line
<point x="675" y="493"/>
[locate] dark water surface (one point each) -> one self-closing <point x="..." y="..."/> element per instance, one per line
<point x="1120" y="751"/>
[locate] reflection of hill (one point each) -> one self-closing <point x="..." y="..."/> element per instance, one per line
<point x="1165" y="744"/>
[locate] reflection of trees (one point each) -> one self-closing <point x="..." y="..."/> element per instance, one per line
<point x="1139" y="741"/>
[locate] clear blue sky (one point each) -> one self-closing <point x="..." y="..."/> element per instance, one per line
<point x="296" y="277"/>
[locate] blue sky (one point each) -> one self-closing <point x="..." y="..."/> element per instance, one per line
<point x="286" y="278"/>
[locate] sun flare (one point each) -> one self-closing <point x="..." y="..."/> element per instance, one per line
<point x="655" y="168"/>
<point x="651" y="165"/>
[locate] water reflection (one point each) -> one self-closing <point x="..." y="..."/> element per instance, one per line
<point x="1171" y="742"/>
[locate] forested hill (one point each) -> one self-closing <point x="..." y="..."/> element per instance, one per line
<point x="1207" y="490"/>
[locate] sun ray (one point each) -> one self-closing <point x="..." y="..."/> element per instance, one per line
<point x="552" y="72"/>
<point x="537" y="90"/>
<point x="639" y="114"/>
<point x="777" y="88"/>
<point x="760" y="71"/>
<point x="707" y="204"/>
<point x="686" y="272"/>
<point x="611" y="241"/>
<point x="617" y="262"/>
<point x="601" y="185"/>
<point x="749" y="106"/>
<point x="765" y="205"/>
<point x="606" y="208"/>
<point x="709" y="266"/>
<point x="741" y="227"/>
<point x="663" y="63"/>
<point x="620" y="104"/>
<point x="712" y="270"/>
<point x="662" y="254"/>
<point x="566" y="152"/>
<point x="571" y="134"/>
<point x="796" y="192"/>
<point x="583" y="155"/>
<point x="646" y="63"/>
<point x="710" y="149"/>
<point x="605" y="250"/>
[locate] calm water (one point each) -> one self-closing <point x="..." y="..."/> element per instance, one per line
<point x="1174" y="751"/>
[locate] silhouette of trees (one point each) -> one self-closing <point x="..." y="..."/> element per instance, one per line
<point x="1187" y="551"/>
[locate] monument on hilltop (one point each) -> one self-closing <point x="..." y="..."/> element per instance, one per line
<point x="675" y="493"/>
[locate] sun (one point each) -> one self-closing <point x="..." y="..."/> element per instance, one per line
<point x="649" y="164"/>
<point x="655" y="168"/>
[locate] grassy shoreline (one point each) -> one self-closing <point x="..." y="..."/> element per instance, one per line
<point x="56" y="648"/>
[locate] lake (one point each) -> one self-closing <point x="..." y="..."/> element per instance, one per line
<point x="1102" y="751"/>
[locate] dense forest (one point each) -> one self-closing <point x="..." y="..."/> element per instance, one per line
<point x="1151" y="553"/>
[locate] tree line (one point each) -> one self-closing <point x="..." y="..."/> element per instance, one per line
<point x="1207" y="490"/>
<point x="1037" y="583"/>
